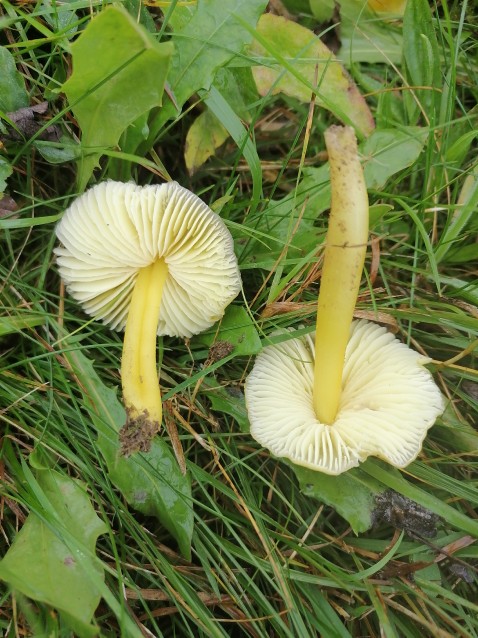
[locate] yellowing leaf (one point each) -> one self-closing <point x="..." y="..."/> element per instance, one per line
<point x="204" y="137"/>
<point x="387" y="6"/>
<point x="295" y="62"/>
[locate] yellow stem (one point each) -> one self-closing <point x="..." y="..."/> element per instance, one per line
<point x="141" y="393"/>
<point x="344" y="256"/>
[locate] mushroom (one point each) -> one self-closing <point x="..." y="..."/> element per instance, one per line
<point x="152" y="260"/>
<point x="328" y="401"/>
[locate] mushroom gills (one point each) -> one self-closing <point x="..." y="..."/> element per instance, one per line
<point x="141" y="391"/>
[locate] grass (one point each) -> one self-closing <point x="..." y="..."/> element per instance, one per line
<point x="267" y="560"/>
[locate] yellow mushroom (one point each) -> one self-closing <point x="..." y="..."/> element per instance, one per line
<point x="328" y="401"/>
<point x="152" y="260"/>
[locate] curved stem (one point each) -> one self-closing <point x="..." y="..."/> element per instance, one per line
<point x="346" y="245"/>
<point x="141" y="393"/>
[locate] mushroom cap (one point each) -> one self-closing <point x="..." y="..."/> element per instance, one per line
<point x="388" y="402"/>
<point x="114" y="229"/>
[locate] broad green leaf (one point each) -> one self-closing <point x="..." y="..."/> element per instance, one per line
<point x="351" y="494"/>
<point x="389" y="151"/>
<point x="205" y="135"/>
<point x="180" y="15"/>
<point x="364" y="36"/>
<point x="52" y="561"/>
<point x="323" y="10"/>
<point x="6" y="170"/>
<point x="119" y="72"/>
<point x="65" y="150"/>
<point x="376" y="212"/>
<point x="205" y="42"/>
<point x="370" y="42"/>
<point x="237" y="330"/>
<point x="13" y="95"/>
<point x="151" y="482"/>
<point x="292" y="60"/>
<point x="139" y="9"/>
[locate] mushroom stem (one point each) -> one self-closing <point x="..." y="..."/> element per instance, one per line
<point x="141" y="393"/>
<point x="345" y="248"/>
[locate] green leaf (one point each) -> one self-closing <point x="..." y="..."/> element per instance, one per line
<point x="460" y="147"/>
<point x="466" y="207"/>
<point x="229" y="400"/>
<point x="205" y="135"/>
<point x="206" y="42"/>
<point x="6" y="170"/>
<point x="119" y="72"/>
<point x="238" y="88"/>
<point x="10" y="325"/>
<point x="422" y="57"/>
<point x="363" y="36"/>
<point x="467" y="290"/>
<point x="351" y="494"/>
<point x="236" y="329"/>
<point x="288" y="222"/>
<point x="61" y="18"/>
<point x="389" y="151"/>
<point x="65" y="150"/>
<point x="151" y="482"/>
<point x="376" y="212"/>
<point x="326" y="619"/>
<point x="292" y="60"/>
<point x="13" y="95"/>
<point x="28" y="222"/>
<point x="53" y="560"/>
<point x="231" y="121"/>
<point x="430" y="573"/>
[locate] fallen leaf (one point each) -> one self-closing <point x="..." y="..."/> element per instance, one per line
<point x="7" y="206"/>
<point x="26" y="124"/>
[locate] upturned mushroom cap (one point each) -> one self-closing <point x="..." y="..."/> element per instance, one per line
<point x="388" y="402"/>
<point x="114" y="229"/>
